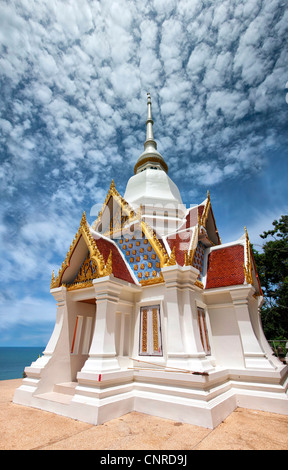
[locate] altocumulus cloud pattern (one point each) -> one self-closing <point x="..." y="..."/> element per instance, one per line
<point x="73" y="82"/>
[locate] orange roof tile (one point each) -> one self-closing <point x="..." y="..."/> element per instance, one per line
<point x="225" y="267"/>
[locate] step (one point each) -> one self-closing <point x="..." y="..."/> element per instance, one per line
<point x="68" y="388"/>
<point x="62" y="398"/>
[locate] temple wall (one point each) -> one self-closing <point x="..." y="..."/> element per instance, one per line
<point x="226" y="343"/>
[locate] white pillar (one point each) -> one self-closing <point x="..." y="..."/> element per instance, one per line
<point x="176" y="355"/>
<point x="254" y="356"/>
<point x="54" y="366"/>
<point x="102" y="354"/>
<point x="192" y="338"/>
<point x="184" y="347"/>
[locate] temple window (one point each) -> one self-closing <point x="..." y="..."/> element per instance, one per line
<point x="150" y="331"/>
<point x="203" y="331"/>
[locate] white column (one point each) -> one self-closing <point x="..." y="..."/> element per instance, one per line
<point x="192" y="338"/>
<point x="176" y="355"/>
<point x="254" y="356"/>
<point x="184" y="347"/>
<point x="102" y="354"/>
<point x="59" y="338"/>
<point x="54" y="366"/>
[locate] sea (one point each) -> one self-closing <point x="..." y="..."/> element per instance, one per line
<point x="13" y="360"/>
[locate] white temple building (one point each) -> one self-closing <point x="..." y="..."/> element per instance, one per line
<point x="155" y="314"/>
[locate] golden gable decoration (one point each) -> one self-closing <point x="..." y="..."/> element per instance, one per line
<point x="172" y="258"/>
<point x="202" y="219"/>
<point x="124" y="214"/>
<point x="94" y="255"/>
<point x="122" y="220"/>
<point x="87" y="272"/>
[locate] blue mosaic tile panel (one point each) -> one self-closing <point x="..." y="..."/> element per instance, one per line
<point x="199" y="258"/>
<point x="141" y="257"/>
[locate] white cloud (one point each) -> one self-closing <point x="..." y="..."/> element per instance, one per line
<point x="164" y="6"/>
<point x="125" y="80"/>
<point x="261" y="221"/>
<point x="74" y="75"/>
<point x="234" y="105"/>
<point x="28" y="310"/>
<point x="199" y="59"/>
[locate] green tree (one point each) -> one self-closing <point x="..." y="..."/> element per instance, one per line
<point x="272" y="267"/>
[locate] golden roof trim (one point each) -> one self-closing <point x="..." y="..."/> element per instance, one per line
<point x="125" y="206"/>
<point x="94" y="252"/>
<point x="199" y="284"/>
<point x="79" y="285"/>
<point x="189" y="255"/>
<point x="248" y="266"/>
<point x="202" y="219"/>
<point x="172" y="258"/>
<point x="156" y="279"/>
<point x="154" y="242"/>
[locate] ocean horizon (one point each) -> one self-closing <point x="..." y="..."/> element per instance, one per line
<point x="14" y="359"/>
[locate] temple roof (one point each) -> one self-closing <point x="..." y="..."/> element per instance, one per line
<point x="225" y="267"/>
<point x="122" y="243"/>
<point x="232" y="264"/>
<point x="120" y="269"/>
<point x="138" y="256"/>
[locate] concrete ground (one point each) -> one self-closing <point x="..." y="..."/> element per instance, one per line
<point x="23" y="428"/>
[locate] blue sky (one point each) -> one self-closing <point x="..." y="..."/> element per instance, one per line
<point x="74" y="76"/>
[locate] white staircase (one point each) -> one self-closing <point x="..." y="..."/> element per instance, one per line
<point x="62" y="393"/>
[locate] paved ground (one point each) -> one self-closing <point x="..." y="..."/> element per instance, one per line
<point x="28" y="428"/>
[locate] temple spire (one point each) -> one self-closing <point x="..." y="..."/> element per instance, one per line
<point x="149" y="124"/>
<point x="150" y="158"/>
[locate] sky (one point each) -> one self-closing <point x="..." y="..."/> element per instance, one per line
<point x="73" y="81"/>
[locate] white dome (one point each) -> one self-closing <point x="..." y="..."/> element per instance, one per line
<point x="160" y="199"/>
<point x="152" y="187"/>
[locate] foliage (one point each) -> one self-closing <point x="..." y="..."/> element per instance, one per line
<point x="272" y="267"/>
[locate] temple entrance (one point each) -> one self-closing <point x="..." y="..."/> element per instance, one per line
<point x="81" y="331"/>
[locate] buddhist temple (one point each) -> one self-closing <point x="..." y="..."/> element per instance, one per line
<point x="154" y="314"/>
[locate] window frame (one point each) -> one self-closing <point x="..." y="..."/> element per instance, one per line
<point x="151" y="338"/>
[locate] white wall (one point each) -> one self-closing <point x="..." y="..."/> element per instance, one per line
<point x="227" y="348"/>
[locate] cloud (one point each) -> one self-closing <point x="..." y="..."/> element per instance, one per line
<point x="25" y="311"/>
<point x="199" y="59"/>
<point x="233" y="105"/>
<point x="74" y="75"/>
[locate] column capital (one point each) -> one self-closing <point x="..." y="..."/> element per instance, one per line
<point x="178" y="276"/>
<point x="59" y="294"/>
<point x="241" y="295"/>
<point x="107" y="286"/>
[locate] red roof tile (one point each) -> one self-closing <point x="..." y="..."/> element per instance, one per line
<point x="192" y="217"/>
<point x="225" y="267"/>
<point x="181" y="241"/>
